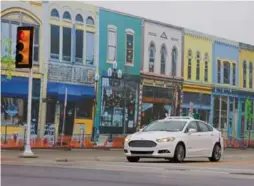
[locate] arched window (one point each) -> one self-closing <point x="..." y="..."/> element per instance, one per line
<point x="189" y="63"/>
<point x="244" y="73"/>
<point x="151" y="56"/>
<point x="250" y="75"/>
<point x="9" y="24"/>
<point x="163" y="58"/>
<point x="206" y="67"/>
<point x="198" y="66"/>
<point x="174" y="61"/>
<point x="54" y="13"/>
<point x="89" y="21"/>
<point x="67" y="15"/>
<point x="79" y="18"/>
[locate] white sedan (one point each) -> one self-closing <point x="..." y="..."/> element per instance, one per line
<point x="175" y="138"/>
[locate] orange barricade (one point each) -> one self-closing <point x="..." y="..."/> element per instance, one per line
<point x="118" y="142"/>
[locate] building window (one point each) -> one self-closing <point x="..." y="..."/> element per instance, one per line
<point x="151" y="57"/>
<point x="163" y="59"/>
<point x="234" y="74"/>
<point x="112" y="40"/>
<point x="67" y="15"/>
<point x="174" y="61"/>
<point x="206" y="67"/>
<point x="250" y="75"/>
<point x="89" y="21"/>
<point x="79" y="18"/>
<point x="79" y="46"/>
<point x="226" y="72"/>
<point x="66" y="44"/>
<point x="189" y="63"/>
<point x="84" y="108"/>
<point x="54" y="41"/>
<point x="89" y="48"/>
<point x="129" y="46"/>
<point x="9" y="24"/>
<point x="198" y="66"/>
<point x="54" y="13"/>
<point x="244" y="74"/>
<point x="218" y="71"/>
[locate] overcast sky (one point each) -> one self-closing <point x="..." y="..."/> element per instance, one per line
<point x="231" y="20"/>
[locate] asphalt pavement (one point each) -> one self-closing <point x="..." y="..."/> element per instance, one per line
<point x="121" y="175"/>
<point x="110" y="168"/>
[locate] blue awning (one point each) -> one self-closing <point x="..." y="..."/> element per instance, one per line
<point x="14" y="87"/>
<point x="18" y="87"/>
<point x="74" y="92"/>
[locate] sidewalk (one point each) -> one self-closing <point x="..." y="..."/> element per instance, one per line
<point x="64" y="155"/>
<point x="99" y="155"/>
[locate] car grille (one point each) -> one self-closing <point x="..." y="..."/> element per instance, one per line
<point x="141" y="152"/>
<point x="142" y="143"/>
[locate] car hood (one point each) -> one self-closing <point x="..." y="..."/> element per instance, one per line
<point x="152" y="135"/>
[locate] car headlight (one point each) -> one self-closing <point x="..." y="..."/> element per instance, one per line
<point x="127" y="139"/>
<point x="165" y="139"/>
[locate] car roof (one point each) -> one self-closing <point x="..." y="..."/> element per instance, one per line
<point x="180" y="118"/>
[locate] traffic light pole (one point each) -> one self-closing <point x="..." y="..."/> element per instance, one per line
<point x="28" y="150"/>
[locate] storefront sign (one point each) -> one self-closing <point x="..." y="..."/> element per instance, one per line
<point x="159" y="83"/>
<point x="169" y="84"/>
<point x="148" y="82"/>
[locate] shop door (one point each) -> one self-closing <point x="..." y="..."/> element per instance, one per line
<point x="69" y="118"/>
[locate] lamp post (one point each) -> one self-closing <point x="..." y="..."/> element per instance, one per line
<point x="116" y="75"/>
<point x="96" y="79"/>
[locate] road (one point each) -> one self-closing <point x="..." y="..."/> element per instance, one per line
<point x="110" y="168"/>
<point x="149" y="173"/>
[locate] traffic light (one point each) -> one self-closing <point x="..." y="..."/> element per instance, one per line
<point x="24" y="47"/>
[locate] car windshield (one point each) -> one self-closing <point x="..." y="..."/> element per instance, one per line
<point x="167" y="125"/>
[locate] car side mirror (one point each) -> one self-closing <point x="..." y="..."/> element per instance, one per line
<point x="191" y="130"/>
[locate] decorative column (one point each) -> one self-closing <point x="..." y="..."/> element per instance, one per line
<point x="140" y="105"/>
<point x="44" y="56"/>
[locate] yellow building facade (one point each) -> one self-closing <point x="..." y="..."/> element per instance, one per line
<point x="197" y="73"/>
<point x="14" y="14"/>
<point x="246" y="77"/>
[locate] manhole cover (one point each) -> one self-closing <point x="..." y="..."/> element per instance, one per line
<point x="62" y="160"/>
<point x="243" y="173"/>
<point x="178" y="169"/>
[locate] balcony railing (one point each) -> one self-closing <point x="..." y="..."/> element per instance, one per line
<point x="70" y="73"/>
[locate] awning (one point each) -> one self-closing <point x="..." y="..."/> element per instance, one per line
<point x="14" y="87"/>
<point x="74" y="92"/>
<point x="18" y="87"/>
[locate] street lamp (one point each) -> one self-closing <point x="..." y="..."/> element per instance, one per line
<point x="115" y="74"/>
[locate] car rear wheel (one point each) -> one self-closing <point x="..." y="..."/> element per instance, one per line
<point x="216" y="156"/>
<point x="179" y="153"/>
<point x="133" y="159"/>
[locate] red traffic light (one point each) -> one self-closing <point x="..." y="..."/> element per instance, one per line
<point x="21" y="35"/>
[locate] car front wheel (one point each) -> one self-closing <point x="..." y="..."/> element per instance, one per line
<point x="179" y="153"/>
<point x="216" y="156"/>
<point x="133" y="159"/>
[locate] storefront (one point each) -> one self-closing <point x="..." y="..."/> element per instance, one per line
<point x="79" y="107"/>
<point x="119" y="105"/>
<point x="14" y="93"/>
<point x="159" y="97"/>
<point x="229" y="112"/>
<point x="200" y="96"/>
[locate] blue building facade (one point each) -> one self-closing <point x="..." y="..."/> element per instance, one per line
<point x="225" y="102"/>
<point x="117" y="89"/>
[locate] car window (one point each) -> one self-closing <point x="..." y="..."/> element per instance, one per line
<point x="192" y="125"/>
<point x="166" y="125"/>
<point x="204" y="127"/>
